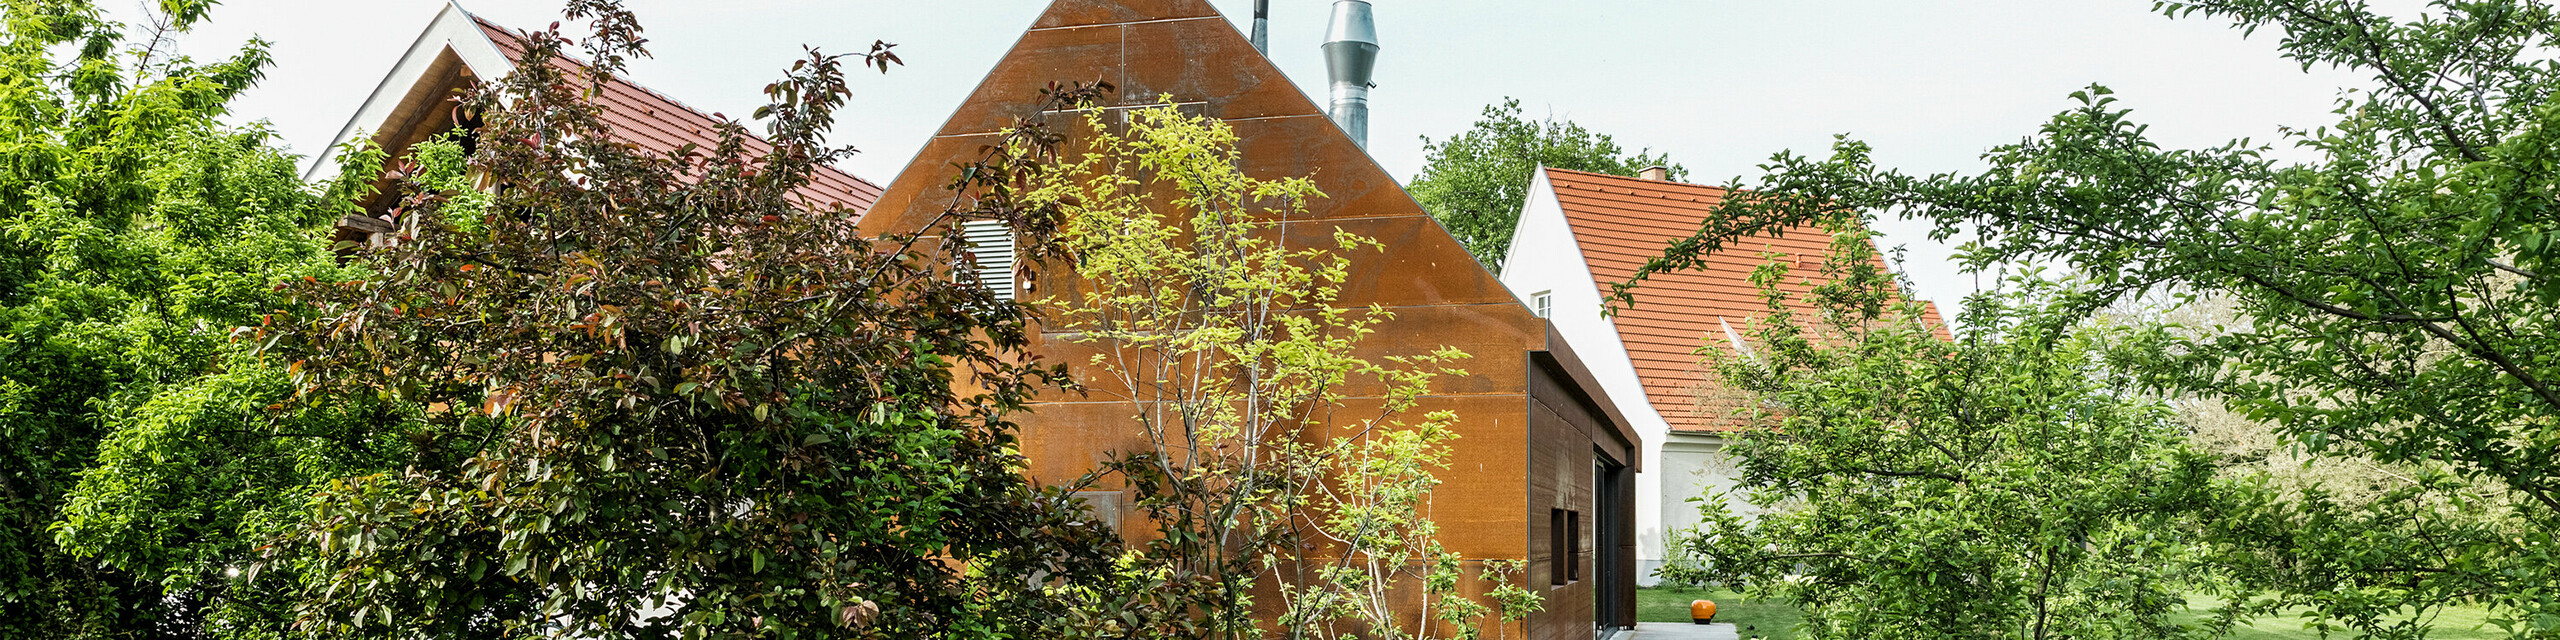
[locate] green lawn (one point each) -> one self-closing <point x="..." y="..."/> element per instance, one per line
<point x="2452" y="623"/>
<point x="1773" y="620"/>
<point x="1777" y="620"/>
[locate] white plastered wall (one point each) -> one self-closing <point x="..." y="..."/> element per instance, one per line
<point x="1694" y="465"/>
<point x="1545" y="257"/>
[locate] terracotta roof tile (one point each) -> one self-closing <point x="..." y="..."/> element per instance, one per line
<point x="1620" y="223"/>
<point x="661" y="124"/>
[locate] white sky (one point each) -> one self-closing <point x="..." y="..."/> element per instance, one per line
<point x="1718" y="84"/>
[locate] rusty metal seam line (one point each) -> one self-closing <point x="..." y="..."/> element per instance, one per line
<point x="1124" y="24"/>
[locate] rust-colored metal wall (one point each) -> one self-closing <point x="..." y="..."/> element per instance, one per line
<point x="1441" y="297"/>
<point x="1560" y="498"/>
<point x="1580" y="450"/>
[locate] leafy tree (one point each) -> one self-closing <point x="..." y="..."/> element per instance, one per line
<point x="2394" y="296"/>
<point x="1279" y="502"/>
<point x="2257" y="451"/>
<point x="2000" y="485"/>
<point x="134" y="233"/>
<point x="639" y="395"/>
<point x="1475" y="182"/>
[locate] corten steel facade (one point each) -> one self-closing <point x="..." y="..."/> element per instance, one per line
<point x="1541" y="449"/>
<point x="1540" y="443"/>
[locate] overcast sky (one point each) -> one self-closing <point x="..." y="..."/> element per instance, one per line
<point x="1718" y="84"/>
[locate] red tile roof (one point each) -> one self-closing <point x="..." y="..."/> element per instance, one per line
<point x="661" y="124"/>
<point x="1621" y="222"/>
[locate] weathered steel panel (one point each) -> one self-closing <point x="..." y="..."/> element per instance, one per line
<point x="1072" y="13"/>
<point x="1508" y="466"/>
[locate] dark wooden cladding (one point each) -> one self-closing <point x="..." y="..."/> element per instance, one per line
<point x="1575" y="435"/>
<point x="1574" y="385"/>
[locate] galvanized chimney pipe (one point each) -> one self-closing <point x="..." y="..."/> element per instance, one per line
<point x="1262" y="27"/>
<point x="1351" y="58"/>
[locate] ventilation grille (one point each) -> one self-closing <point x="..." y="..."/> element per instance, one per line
<point x="992" y="242"/>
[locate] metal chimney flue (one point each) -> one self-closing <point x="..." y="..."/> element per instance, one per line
<point x="1351" y="57"/>
<point x="1262" y="27"/>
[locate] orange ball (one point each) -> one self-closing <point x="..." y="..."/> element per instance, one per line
<point x="1702" y="611"/>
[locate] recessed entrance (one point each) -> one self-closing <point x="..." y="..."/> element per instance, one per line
<point x="1613" y="540"/>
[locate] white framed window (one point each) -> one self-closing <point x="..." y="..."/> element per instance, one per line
<point x="1543" y="303"/>
<point x="992" y="242"/>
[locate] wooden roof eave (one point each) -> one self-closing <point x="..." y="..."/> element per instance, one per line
<point x="453" y="32"/>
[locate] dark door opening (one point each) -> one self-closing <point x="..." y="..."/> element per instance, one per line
<point x="1613" y="542"/>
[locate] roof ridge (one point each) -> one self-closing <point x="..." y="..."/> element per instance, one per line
<point x="1611" y="177"/>
<point x="626" y="80"/>
<point x="1587" y="173"/>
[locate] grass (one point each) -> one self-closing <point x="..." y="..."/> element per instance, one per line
<point x="1777" y="620"/>
<point x="2451" y="623"/>
<point x="1773" y="620"/>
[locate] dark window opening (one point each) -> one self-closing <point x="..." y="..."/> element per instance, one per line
<point x="1555" y="547"/>
<point x="466" y="125"/>
<point x="1564" y="544"/>
<point x="1573" y="545"/>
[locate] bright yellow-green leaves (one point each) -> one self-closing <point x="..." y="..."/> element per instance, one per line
<point x="138" y="461"/>
<point x="1237" y="361"/>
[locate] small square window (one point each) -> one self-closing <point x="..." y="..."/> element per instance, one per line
<point x="1543" y="304"/>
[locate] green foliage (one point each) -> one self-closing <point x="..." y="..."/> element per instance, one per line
<point x="1999" y="485"/>
<point x="634" y="395"/>
<point x="1475" y="182"/>
<point x="2393" y="297"/>
<point x="1263" y="476"/>
<point x="135" y="232"/>
<point x="444" y="167"/>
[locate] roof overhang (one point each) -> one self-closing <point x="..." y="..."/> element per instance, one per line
<point x="1559" y="360"/>
<point x="452" y="43"/>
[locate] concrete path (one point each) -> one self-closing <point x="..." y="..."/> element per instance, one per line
<point x="1682" y="631"/>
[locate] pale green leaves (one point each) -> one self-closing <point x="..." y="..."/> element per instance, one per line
<point x="1238" y="363"/>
